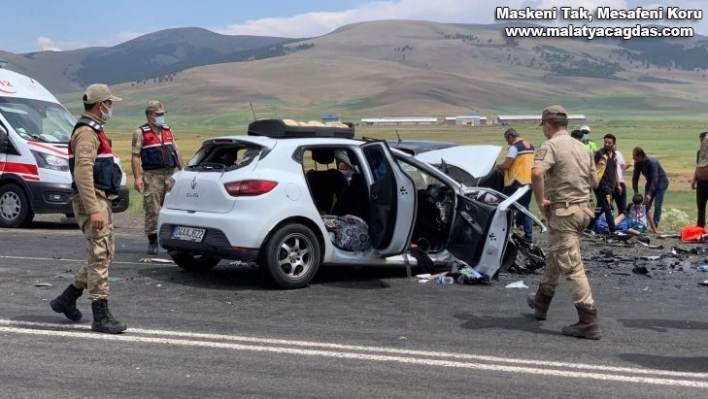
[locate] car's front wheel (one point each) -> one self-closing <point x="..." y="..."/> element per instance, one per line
<point x="291" y="256"/>
<point x="192" y="262"/>
<point x="15" y="210"/>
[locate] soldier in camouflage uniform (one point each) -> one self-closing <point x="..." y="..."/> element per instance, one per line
<point x="563" y="175"/>
<point x="155" y="149"/>
<point x="96" y="180"/>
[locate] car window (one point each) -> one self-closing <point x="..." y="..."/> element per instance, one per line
<point x="421" y="178"/>
<point x="225" y="156"/>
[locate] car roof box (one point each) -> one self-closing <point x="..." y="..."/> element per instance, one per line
<point x="286" y="128"/>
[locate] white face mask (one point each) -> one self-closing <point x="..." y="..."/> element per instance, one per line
<point x="108" y="114"/>
<point x="159" y="120"/>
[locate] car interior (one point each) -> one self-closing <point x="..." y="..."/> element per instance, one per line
<point x="327" y="182"/>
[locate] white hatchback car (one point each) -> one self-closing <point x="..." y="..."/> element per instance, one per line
<point x="261" y="199"/>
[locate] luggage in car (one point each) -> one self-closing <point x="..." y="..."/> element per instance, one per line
<point x="286" y="128"/>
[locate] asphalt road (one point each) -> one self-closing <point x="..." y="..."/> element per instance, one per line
<point x="353" y="333"/>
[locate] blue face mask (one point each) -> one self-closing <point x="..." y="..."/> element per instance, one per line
<point x="159" y="120"/>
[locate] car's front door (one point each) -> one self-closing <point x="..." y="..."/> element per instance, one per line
<point x="480" y="234"/>
<point x="392" y="201"/>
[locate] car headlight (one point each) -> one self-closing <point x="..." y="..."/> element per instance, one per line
<point x="49" y="161"/>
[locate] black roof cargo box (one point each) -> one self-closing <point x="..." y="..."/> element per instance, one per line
<point x="285" y="128"/>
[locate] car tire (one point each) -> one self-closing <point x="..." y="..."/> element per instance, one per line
<point x="193" y="263"/>
<point x="291" y="256"/>
<point x="15" y="208"/>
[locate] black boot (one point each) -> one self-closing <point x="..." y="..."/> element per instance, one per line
<point x="152" y="246"/>
<point x="586" y="327"/>
<point x="103" y="320"/>
<point x="66" y="303"/>
<point x="539" y="302"/>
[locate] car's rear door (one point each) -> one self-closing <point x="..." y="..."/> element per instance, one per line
<point x="392" y="201"/>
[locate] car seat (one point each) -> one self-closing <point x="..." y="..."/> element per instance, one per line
<point x="329" y="187"/>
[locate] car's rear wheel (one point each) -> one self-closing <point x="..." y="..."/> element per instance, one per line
<point x="291" y="256"/>
<point x="15" y="210"/>
<point x="192" y="262"/>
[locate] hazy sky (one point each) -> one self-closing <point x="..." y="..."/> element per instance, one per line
<point x="35" y="25"/>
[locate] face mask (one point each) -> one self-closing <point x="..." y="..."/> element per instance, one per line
<point x="159" y="120"/>
<point x="107" y="115"/>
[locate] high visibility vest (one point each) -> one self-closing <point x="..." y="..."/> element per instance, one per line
<point x="520" y="170"/>
<point x="156" y="153"/>
<point x="106" y="172"/>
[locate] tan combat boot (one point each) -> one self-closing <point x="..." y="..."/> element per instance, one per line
<point x="539" y="302"/>
<point x="586" y="327"/>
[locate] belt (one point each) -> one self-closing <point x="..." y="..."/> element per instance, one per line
<point x="566" y="204"/>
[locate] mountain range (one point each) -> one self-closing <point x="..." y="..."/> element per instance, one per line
<point x="382" y="68"/>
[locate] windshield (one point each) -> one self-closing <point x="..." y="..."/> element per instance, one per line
<point x="37" y="120"/>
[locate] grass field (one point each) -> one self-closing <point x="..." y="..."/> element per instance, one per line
<point x="674" y="144"/>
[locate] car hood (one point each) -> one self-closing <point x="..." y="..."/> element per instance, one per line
<point x="477" y="160"/>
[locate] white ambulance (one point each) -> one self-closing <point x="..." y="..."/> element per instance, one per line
<point x="34" y="165"/>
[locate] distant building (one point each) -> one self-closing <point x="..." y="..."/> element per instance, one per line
<point x="400" y="121"/>
<point x="450" y="120"/>
<point x="331" y="119"/>
<point x="511" y="119"/>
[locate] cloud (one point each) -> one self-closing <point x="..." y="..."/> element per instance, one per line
<point x="458" y="11"/>
<point x="320" y="23"/>
<point x="47" y="44"/>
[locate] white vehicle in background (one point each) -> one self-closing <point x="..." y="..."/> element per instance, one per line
<point x="253" y="198"/>
<point x="34" y="164"/>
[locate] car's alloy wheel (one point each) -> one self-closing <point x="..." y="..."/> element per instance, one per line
<point x="292" y="256"/>
<point x="14" y="207"/>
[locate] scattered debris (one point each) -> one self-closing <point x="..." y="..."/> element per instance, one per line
<point x="665" y="236"/>
<point x="43" y="285"/>
<point x="641" y="270"/>
<point x="654" y="257"/>
<point x="517" y="284"/>
<point x="703" y="283"/>
<point x="155" y="260"/>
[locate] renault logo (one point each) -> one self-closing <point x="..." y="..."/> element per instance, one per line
<point x="194" y="182"/>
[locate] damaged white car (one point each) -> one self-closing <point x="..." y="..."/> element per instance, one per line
<point x="278" y="197"/>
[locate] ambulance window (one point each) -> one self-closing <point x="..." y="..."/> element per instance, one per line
<point x="37" y="120"/>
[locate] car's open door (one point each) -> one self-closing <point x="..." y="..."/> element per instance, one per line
<point x="392" y="201"/>
<point x="480" y="233"/>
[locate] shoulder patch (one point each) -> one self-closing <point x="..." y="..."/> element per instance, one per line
<point x="165" y="126"/>
<point x="540" y="154"/>
<point x="145" y="128"/>
<point x="135" y="141"/>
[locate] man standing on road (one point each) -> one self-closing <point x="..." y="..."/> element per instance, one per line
<point x="619" y="196"/>
<point x="563" y="174"/>
<point x="585" y="130"/>
<point x="517" y="174"/>
<point x="606" y="166"/>
<point x="155" y="148"/>
<point x="96" y="180"/>
<point x="700" y="180"/>
<point x="656" y="183"/>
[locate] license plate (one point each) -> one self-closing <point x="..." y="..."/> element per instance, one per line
<point x="188" y="233"/>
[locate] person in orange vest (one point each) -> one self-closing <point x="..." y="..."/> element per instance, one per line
<point x="155" y="149"/>
<point x="517" y="173"/>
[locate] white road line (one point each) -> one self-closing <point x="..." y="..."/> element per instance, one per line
<point x="365" y="357"/>
<point x="280" y="344"/>
<point x="72" y="233"/>
<point x="75" y="260"/>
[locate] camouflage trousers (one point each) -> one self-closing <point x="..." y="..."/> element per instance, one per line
<point x="100" y="248"/>
<point x="563" y="258"/>
<point x="156" y="182"/>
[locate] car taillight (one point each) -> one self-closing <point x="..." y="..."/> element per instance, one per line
<point x="249" y="187"/>
<point x="170" y="184"/>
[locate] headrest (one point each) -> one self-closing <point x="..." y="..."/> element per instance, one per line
<point x="323" y="155"/>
